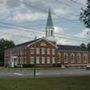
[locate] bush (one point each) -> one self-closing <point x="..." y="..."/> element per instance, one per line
<point x="56" y="65"/>
<point x="27" y="65"/>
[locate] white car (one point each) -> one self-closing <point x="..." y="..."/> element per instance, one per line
<point x="88" y="67"/>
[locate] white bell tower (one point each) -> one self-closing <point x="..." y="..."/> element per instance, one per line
<point x="50" y="28"/>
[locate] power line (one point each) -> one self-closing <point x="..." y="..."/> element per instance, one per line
<point x="72" y="36"/>
<point x="24" y="28"/>
<point x="79" y="3"/>
<point x="73" y="39"/>
<point x="32" y="6"/>
<point x="67" y="4"/>
<point x="14" y="34"/>
<point x="64" y="36"/>
<point x="68" y="20"/>
<point x="20" y="27"/>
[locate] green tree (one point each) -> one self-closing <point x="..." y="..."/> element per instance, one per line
<point x="4" y="44"/>
<point x="88" y="46"/>
<point x="83" y="46"/>
<point x="85" y="15"/>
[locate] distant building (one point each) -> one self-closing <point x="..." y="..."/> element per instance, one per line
<point x="45" y="51"/>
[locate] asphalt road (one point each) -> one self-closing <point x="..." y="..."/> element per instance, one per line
<point x="42" y="73"/>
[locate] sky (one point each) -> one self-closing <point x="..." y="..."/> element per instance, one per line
<point x="23" y="20"/>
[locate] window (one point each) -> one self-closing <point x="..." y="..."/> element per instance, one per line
<point x="21" y="60"/>
<point x="25" y="59"/>
<point x="85" y="58"/>
<point x="43" y="50"/>
<point x="72" y="58"/>
<point x="32" y="50"/>
<point x="53" y="51"/>
<point x="78" y="57"/>
<point x="48" y="50"/>
<point x="37" y="50"/>
<point x="43" y="60"/>
<point x="53" y="59"/>
<point x="48" y="60"/>
<point x="37" y="60"/>
<point x="65" y="57"/>
<point x="32" y="60"/>
<point x="59" y="57"/>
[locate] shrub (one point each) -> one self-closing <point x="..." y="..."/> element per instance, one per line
<point x="27" y="65"/>
<point x="56" y="65"/>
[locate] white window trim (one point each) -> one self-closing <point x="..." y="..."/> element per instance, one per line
<point x="53" y="60"/>
<point x="48" y="60"/>
<point x="53" y="51"/>
<point x="37" y="60"/>
<point x="32" y="60"/>
<point x="48" y="51"/>
<point x="37" y="50"/>
<point x="43" y="60"/>
<point x="72" y="59"/>
<point x="32" y="50"/>
<point x="42" y="50"/>
<point x="79" y="60"/>
<point x="85" y="58"/>
<point x="66" y="58"/>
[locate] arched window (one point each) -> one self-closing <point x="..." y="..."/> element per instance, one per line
<point x="72" y="58"/>
<point x="78" y="58"/>
<point x="85" y="58"/>
<point x="65" y="58"/>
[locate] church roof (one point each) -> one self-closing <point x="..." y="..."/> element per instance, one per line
<point x="31" y="42"/>
<point x="49" y="20"/>
<point x="70" y="47"/>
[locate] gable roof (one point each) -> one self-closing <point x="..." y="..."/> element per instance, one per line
<point x="70" y="47"/>
<point x="22" y="44"/>
<point x="29" y="43"/>
<point x="26" y="43"/>
<point x="42" y="39"/>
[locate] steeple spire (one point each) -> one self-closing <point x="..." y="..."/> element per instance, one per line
<point x="49" y="25"/>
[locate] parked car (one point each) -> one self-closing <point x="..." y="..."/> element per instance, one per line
<point x="88" y="67"/>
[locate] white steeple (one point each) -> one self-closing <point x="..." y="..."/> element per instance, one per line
<point x="50" y="28"/>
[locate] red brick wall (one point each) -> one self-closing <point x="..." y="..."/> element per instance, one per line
<point x="38" y="45"/>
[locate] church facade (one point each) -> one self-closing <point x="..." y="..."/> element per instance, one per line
<point x="45" y="52"/>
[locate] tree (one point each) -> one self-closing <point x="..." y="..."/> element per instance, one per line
<point x="83" y="46"/>
<point x="88" y="46"/>
<point x="85" y="15"/>
<point x="4" y="44"/>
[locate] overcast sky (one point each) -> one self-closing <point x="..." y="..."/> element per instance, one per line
<point x="32" y="14"/>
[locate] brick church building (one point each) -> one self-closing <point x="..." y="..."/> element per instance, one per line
<point x="45" y="51"/>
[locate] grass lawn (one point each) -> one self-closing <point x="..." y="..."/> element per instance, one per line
<point x="53" y="83"/>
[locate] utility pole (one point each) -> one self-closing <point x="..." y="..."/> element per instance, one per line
<point x="35" y="59"/>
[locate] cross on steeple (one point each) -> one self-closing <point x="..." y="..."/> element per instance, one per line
<point x="49" y="25"/>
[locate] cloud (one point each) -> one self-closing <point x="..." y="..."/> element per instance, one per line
<point x="75" y="39"/>
<point x="37" y="6"/>
<point x="59" y="30"/>
<point x="85" y="33"/>
<point x="60" y="11"/>
<point x="13" y="4"/>
<point x="24" y="11"/>
<point x="20" y="35"/>
<point x="21" y="17"/>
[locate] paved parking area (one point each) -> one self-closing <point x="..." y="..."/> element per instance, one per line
<point x="29" y="72"/>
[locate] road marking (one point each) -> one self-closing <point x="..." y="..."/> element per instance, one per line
<point x="37" y="73"/>
<point x="19" y="74"/>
